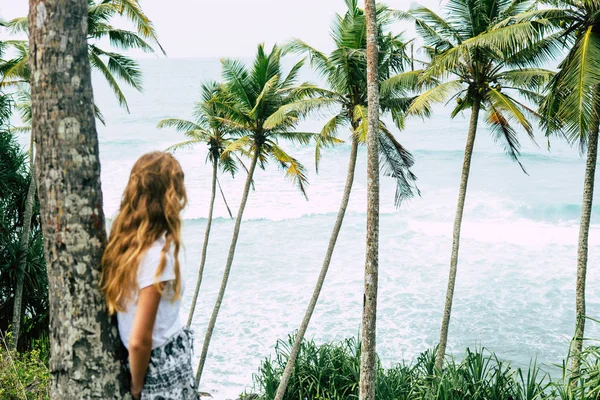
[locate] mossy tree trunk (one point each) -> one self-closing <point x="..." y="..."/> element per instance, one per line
<point x="368" y="359"/>
<point x="22" y="259"/>
<point x="84" y="343"/>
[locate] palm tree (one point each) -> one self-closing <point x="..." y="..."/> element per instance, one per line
<point x="210" y="130"/>
<point x="345" y="70"/>
<point x="71" y="206"/>
<point x="368" y="355"/>
<point x="251" y="103"/>
<point x="571" y="108"/>
<point x="16" y="73"/>
<point x="482" y="76"/>
<point x="112" y="65"/>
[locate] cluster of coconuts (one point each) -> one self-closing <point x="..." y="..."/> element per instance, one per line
<point x="483" y="88"/>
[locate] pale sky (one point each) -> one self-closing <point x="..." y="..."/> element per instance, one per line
<point x="225" y="28"/>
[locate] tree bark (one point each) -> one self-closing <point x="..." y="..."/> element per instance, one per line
<point x="22" y="260"/>
<point x="582" y="249"/>
<point x="439" y="359"/>
<point x="206" y="237"/>
<point x="287" y="373"/>
<point x="231" y="254"/>
<point x="368" y="358"/>
<point x="84" y="343"/>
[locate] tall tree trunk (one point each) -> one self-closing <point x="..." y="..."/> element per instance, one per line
<point x="22" y="260"/>
<point x="23" y="250"/>
<point x="287" y="373"/>
<point x="368" y="358"/>
<point x="224" y="199"/>
<point x="464" y="180"/>
<point x="206" y="236"/>
<point x="84" y="343"/>
<point x="582" y="250"/>
<point x="236" y="233"/>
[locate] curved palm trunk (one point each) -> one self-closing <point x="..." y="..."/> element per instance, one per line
<point x="582" y="251"/>
<point x="236" y="232"/>
<point x="224" y="199"/>
<point x="287" y="373"/>
<point x="205" y="245"/>
<point x="368" y="357"/>
<point x="439" y="359"/>
<point x="22" y="261"/>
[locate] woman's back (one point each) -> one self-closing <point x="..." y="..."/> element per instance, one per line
<point x="168" y="321"/>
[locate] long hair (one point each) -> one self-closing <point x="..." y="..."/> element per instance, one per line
<point x="150" y="208"/>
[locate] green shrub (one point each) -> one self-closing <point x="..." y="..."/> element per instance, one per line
<point x="25" y="375"/>
<point x="331" y="372"/>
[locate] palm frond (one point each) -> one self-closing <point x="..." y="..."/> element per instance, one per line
<point x="396" y="162"/>
<point x="422" y="105"/>
<point x="294" y="170"/>
<point x="180" y="125"/>
<point x="96" y="62"/>
<point x="504" y="132"/>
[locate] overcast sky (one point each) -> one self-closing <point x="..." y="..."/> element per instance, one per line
<point x="218" y="28"/>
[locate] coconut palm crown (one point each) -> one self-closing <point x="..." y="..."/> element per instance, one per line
<point x="112" y="65"/>
<point x="345" y="71"/>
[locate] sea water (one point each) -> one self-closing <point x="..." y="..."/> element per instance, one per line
<point x="515" y="289"/>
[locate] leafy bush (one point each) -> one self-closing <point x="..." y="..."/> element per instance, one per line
<point x="25" y="375"/>
<point x="331" y="372"/>
<point x="14" y="183"/>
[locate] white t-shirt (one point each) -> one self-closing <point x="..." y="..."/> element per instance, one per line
<point x="168" y="321"/>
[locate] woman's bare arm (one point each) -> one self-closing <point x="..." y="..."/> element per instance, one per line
<point x="140" y="341"/>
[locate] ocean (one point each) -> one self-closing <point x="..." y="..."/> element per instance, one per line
<point x="515" y="290"/>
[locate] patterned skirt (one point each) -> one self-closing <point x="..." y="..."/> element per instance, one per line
<point x="170" y="375"/>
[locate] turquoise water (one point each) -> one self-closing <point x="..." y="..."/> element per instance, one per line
<point x="516" y="277"/>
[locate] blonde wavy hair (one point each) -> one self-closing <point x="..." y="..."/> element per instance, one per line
<point x="150" y="208"/>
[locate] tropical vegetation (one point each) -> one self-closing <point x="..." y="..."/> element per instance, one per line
<point x="208" y="129"/>
<point x="331" y="371"/>
<point x="481" y="79"/>
<point x="345" y="71"/>
<point x="488" y="58"/>
<point x="259" y="104"/>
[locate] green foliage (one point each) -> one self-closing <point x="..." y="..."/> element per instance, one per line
<point x="112" y="65"/>
<point x="571" y="105"/>
<point x="25" y="376"/>
<point x="331" y="371"/>
<point x="345" y="71"/>
<point x="208" y="128"/>
<point x="485" y="51"/>
<point x="258" y="104"/>
<point x="14" y="183"/>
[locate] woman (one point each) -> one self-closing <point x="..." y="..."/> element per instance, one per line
<point x="141" y="280"/>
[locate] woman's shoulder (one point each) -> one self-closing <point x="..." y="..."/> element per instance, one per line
<point x="150" y="262"/>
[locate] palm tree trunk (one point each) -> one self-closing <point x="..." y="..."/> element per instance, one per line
<point x="236" y="232"/>
<point x="85" y="358"/>
<point x="439" y="359"/>
<point x="22" y="260"/>
<point x="287" y="373"/>
<point x="368" y="357"/>
<point x="224" y="199"/>
<point x="582" y="250"/>
<point x="205" y="245"/>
